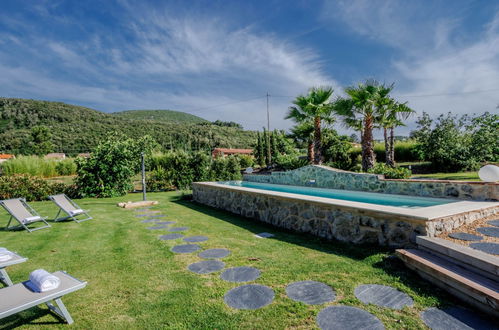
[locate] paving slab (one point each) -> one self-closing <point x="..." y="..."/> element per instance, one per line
<point x="149" y="220"/>
<point x="178" y="229"/>
<point x="206" y="266"/>
<point x="250" y="296"/>
<point x="157" y="227"/>
<point x="264" y="235"/>
<point x="169" y="237"/>
<point x="347" y="318"/>
<point x="382" y="295"/>
<point x="164" y="222"/>
<point x="156" y="215"/>
<point x="466" y="237"/>
<point x="310" y="292"/>
<point x="494" y="222"/>
<point x="491" y="248"/>
<point x="214" y="253"/>
<point x="196" y="239"/>
<point x="240" y="274"/>
<point x="455" y="318"/>
<point x="141" y="215"/>
<point x="489" y="231"/>
<point x="185" y="248"/>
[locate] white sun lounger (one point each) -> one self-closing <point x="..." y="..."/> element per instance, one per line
<point x="19" y="297"/>
<point x="69" y="207"/>
<point x="23" y="213"/>
<point x="16" y="259"/>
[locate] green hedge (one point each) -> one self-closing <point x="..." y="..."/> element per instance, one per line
<point x="38" y="166"/>
<point x="405" y="151"/>
<point x="30" y="187"/>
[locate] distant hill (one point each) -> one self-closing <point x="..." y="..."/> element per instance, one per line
<point x="78" y="129"/>
<point x="161" y="115"/>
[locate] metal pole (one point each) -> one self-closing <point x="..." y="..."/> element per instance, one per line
<point x="143" y="177"/>
<point x="269" y="154"/>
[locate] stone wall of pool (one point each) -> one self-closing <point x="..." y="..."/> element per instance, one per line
<point x="327" y="177"/>
<point x="327" y="220"/>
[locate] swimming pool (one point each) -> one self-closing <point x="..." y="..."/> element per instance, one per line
<point x="348" y="195"/>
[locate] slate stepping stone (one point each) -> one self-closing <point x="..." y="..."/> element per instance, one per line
<point x="346" y="317"/>
<point x="310" y="292"/>
<point x="185" y="248"/>
<point x="492" y="248"/>
<point x="156" y="215"/>
<point x="196" y="239"/>
<point x="170" y="237"/>
<point x="489" y="231"/>
<point x="250" y="296"/>
<point x="494" y="222"/>
<point x="264" y="235"/>
<point x="149" y="220"/>
<point x="454" y="318"/>
<point x="178" y="229"/>
<point x="141" y="215"/>
<point x="206" y="266"/>
<point x="466" y="237"/>
<point x="157" y="227"/>
<point x="164" y="222"/>
<point x="214" y="253"/>
<point x="240" y="274"/>
<point x="382" y="295"/>
<point x="145" y="209"/>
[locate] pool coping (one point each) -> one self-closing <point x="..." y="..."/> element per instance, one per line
<point x="416" y="214"/>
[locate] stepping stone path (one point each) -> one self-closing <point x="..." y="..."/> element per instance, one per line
<point x="185" y="248"/>
<point x="178" y="229"/>
<point x="170" y="237"/>
<point x="206" y="266"/>
<point x="214" y="253"/>
<point x="466" y="237"/>
<point x="264" y="235"/>
<point x="149" y="220"/>
<point x="251" y="296"/>
<point x="494" y="222"/>
<point x="454" y="318"/>
<point x="489" y="231"/>
<point x="141" y="215"/>
<point x="382" y="295"/>
<point x="240" y="274"/>
<point x="164" y="222"/>
<point x="157" y="227"/>
<point x="492" y="248"/>
<point x="143" y="210"/>
<point x="346" y="317"/>
<point x="310" y="292"/>
<point x="157" y="216"/>
<point x="196" y="239"/>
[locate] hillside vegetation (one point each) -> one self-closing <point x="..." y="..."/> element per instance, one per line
<point x="161" y="115"/>
<point x="77" y="129"/>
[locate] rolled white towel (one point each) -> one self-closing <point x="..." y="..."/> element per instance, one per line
<point x="5" y="254"/>
<point x="75" y="212"/>
<point x="43" y="281"/>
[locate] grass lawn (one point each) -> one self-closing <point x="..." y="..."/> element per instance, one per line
<point x="134" y="281"/>
<point x="466" y="176"/>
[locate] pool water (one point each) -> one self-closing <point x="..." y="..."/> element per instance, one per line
<point x="348" y="195"/>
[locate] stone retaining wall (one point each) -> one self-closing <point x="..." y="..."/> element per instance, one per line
<point x="323" y="220"/>
<point x="327" y="177"/>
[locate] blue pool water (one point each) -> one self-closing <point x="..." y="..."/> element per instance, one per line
<point x="348" y="195"/>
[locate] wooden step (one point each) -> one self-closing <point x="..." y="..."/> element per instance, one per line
<point x="475" y="289"/>
<point x="477" y="261"/>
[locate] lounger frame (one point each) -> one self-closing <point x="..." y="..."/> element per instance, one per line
<point x="22" y="223"/>
<point x="73" y="217"/>
<point x="59" y="308"/>
<point x="4" y="277"/>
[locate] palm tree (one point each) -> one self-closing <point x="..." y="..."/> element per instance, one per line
<point x="304" y="133"/>
<point x="360" y="111"/>
<point x="315" y="107"/>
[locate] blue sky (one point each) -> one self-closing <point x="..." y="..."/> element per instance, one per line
<point x="218" y="59"/>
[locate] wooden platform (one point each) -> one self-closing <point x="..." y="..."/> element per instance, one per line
<point x="460" y="270"/>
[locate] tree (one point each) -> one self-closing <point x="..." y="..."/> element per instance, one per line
<point x="304" y="133"/>
<point x="260" y="151"/>
<point x="41" y="140"/>
<point x="315" y="107"/>
<point x="360" y="110"/>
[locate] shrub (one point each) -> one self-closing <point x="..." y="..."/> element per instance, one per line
<point x="109" y="170"/>
<point x="30" y="187"/>
<point x="246" y="161"/>
<point x="65" y="167"/>
<point x="391" y="172"/>
<point x="159" y="180"/>
<point x="289" y="162"/>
